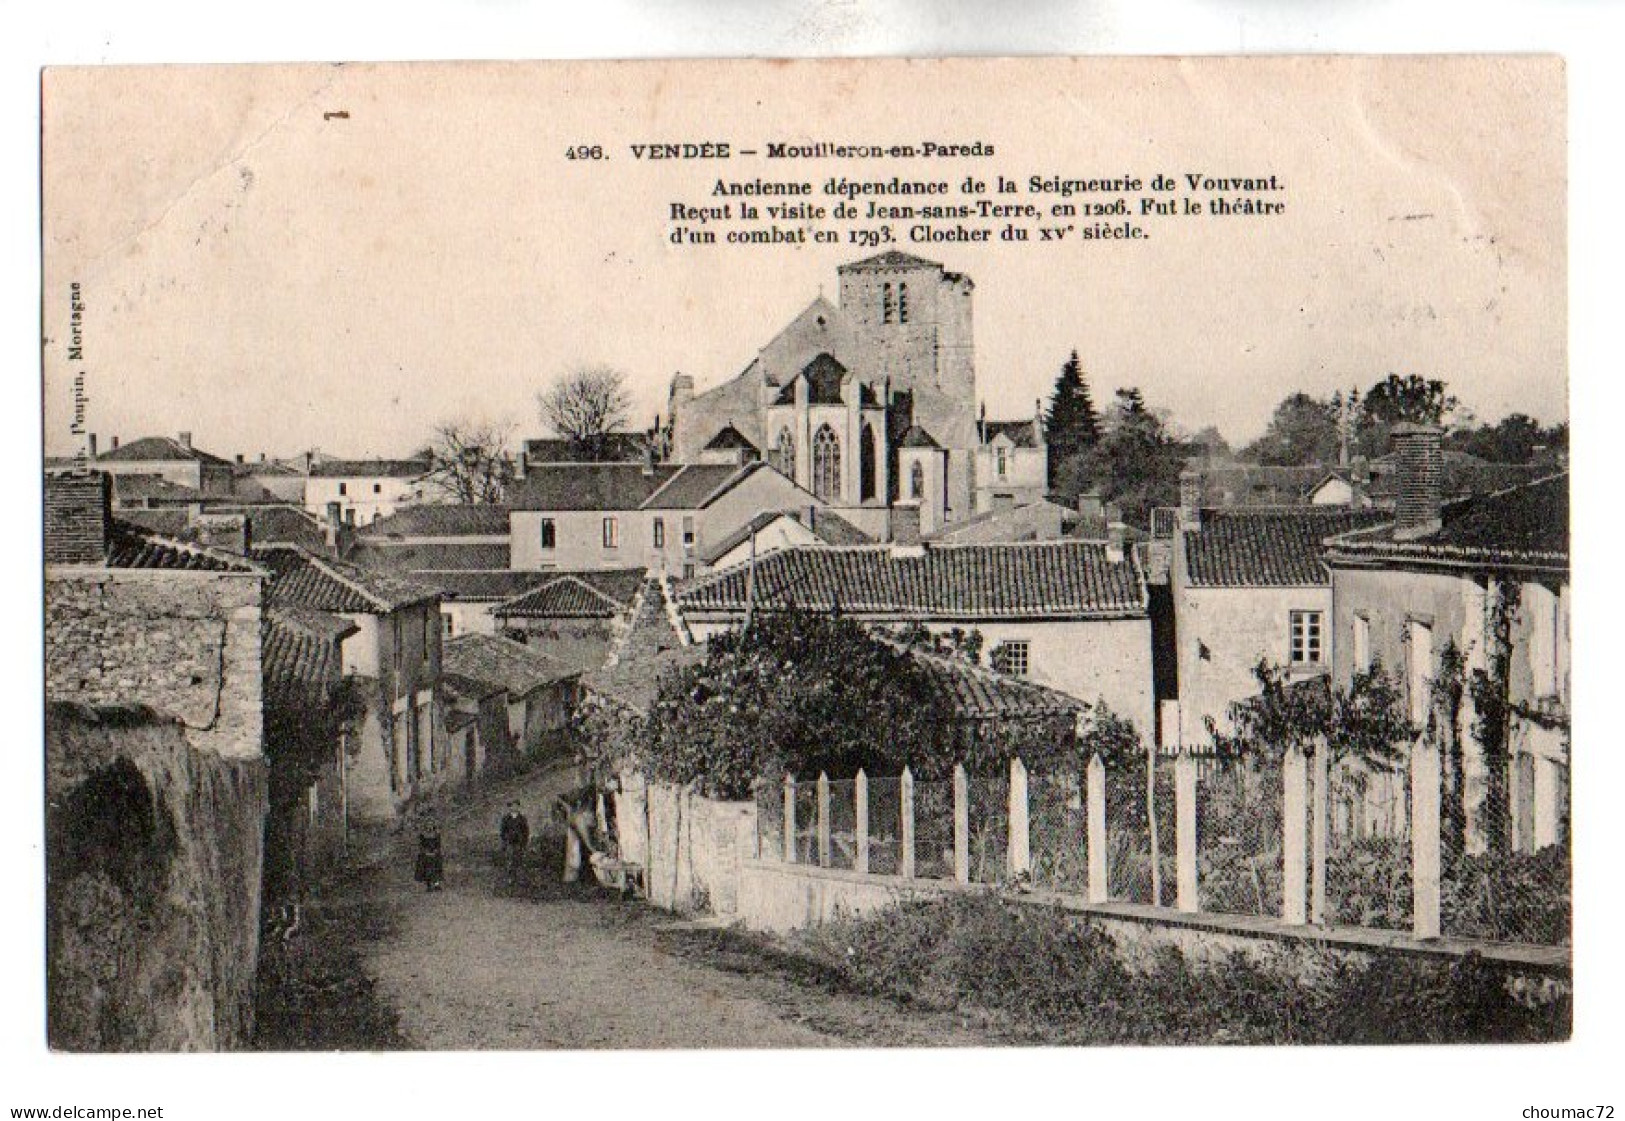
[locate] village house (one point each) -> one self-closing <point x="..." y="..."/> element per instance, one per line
<point x="539" y="693"/>
<point x="1488" y="576"/>
<point x="155" y="781"/>
<point x="1011" y="463"/>
<point x="648" y="515"/>
<point x="1070" y="614"/>
<point x="1247" y="584"/>
<point x="401" y="753"/>
<point x="364" y="489"/>
<point x="573" y="617"/>
<point x="172" y="459"/>
<point x="778" y="529"/>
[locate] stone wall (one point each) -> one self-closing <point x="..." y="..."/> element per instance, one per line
<point x="154" y="855"/>
<point x="693" y="849"/>
<point x="184" y="643"/>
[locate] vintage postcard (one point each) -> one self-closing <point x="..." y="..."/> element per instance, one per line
<point x="801" y="554"/>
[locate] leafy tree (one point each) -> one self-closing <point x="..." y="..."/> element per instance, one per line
<point x="1072" y="424"/>
<point x="470" y="462"/>
<point x="1302" y="430"/>
<point x="1135" y="463"/>
<point x="1365" y="720"/>
<point x="1394" y="400"/>
<point x="1512" y="439"/>
<point x="584" y="407"/>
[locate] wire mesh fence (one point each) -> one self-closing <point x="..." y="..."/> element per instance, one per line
<point x="806" y="822"/>
<point x="885" y="826"/>
<point x="1238" y="836"/>
<point x="987" y="799"/>
<point x="843" y="825"/>
<point x="1368" y="846"/>
<point x="1058" y="832"/>
<point x="770" y="821"/>
<point x="934" y="830"/>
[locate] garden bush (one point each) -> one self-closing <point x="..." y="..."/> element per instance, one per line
<point x="1058" y="977"/>
<point x="1510" y="897"/>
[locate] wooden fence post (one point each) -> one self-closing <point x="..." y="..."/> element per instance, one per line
<point x="1294" y="822"/>
<point x="1095" y="815"/>
<point x="789" y="818"/>
<point x="1020" y="861"/>
<point x="905" y="801"/>
<point x="1319" y="830"/>
<point x="823" y="820"/>
<point x="961" y="825"/>
<point x="1187" y="897"/>
<point x="1425" y="838"/>
<point x="860" y="828"/>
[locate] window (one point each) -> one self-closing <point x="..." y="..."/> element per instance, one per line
<point x="688" y="531"/>
<point x="783" y="456"/>
<point x="612" y="534"/>
<point x="1003" y="466"/>
<point x="866" y="464"/>
<point x="344" y="488"/>
<point x="447" y="628"/>
<point x="550" y="538"/>
<point x="916" y="480"/>
<point x="395" y="630"/>
<point x="1307" y="648"/>
<point x="887" y="308"/>
<point x="1011" y="657"/>
<point x="1362" y="643"/>
<point x="378" y="488"/>
<point x="660" y="533"/>
<point x="688" y="572"/>
<point x="902" y="303"/>
<point x="826" y="478"/>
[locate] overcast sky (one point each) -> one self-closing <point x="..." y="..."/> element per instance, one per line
<point x="271" y="278"/>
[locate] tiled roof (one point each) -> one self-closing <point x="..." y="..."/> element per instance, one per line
<point x="589" y="486"/>
<point x="489" y="585"/>
<point x="1018" y="432"/>
<point x="493" y="660"/>
<point x="618" y="447"/>
<point x="917" y="437"/>
<point x="1257" y="547"/>
<point x="166" y="522"/>
<point x="131" y="546"/>
<point x="830" y="528"/>
<point x="450" y="520"/>
<point x="145" y="488"/>
<point x="730" y="439"/>
<point x="302" y="579"/>
<point x="301" y="648"/>
<point x="369" y="468"/>
<point x="471" y="557"/>
<point x="1523" y="526"/>
<point x="158" y="449"/>
<point x="458" y="687"/>
<point x="567" y="597"/>
<point x="891" y="259"/>
<point x="692" y="486"/>
<point x="281" y="525"/>
<point x="975" y="693"/>
<point x="1033" y="521"/>
<point x="1041" y="579"/>
<point x="634" y="683"/>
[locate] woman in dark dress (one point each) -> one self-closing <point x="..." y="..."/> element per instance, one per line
<point x="431" y="869"/>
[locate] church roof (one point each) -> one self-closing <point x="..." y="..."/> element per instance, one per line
<point x="891" y="259"/>
<point x="730" y="439"/>
<point x="917" y="437"/>
<point x="1018" y="432"/>
<point x="824" y="375"/>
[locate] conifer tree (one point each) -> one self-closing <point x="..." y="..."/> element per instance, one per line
<point x="1073" y="424"/>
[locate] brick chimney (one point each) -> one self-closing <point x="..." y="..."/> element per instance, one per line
<point x="1420" y="450"/>
<point x="1190" y="498"/>
<point x="78" y="518"/>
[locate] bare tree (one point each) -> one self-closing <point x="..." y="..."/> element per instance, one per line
<point x="469" y="462"/>
<point x="584" y="406"/>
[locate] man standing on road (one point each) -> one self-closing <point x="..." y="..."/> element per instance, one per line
<point x="515" y="834"/>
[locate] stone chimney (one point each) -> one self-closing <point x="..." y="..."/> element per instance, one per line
<point x="115" y="443"/>
<point x="185" y="439"/>
<point x="1420" y="451"/>
<point x="90" y="444"/>
<point x="1116" y="541"/>
<point x="78" y="518"/>
<point x="1190" y="498"/>
<point x="233" y="533"/>
<point x="309" y="460"/>
<point x="648" y="460"/>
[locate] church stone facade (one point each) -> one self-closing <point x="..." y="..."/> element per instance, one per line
<point x="849" y="396"/>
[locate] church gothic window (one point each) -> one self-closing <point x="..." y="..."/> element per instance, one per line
<point x="866" y="464"/>
<point x="783" y="456"/>
<point x="826" y="465"/>
<point x="916" y="481"/>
